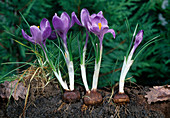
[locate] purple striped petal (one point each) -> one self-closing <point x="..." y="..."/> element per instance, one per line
<point x="104" y="22"/>
<point x="96" y="20"/>
<point x="36" y="34"/>
<point x="34" y="31"/>
<point x="44" y="23"/>
<point x="112" y="32"/>
<point x="100" y="14"/>
<point x="46" y="33"/>
<point x="57" y="23"/>
<point x="95" y="30"/>
<point x="85" y="18"/>
<point x="27" y="37"/>
<point x="138" y="38"/>
<point x="74" y="20"/>
<point x="66" y="21"/>
<point x="93" y="16"/>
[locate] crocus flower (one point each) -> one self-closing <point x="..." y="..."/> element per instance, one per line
<point x="99" y="26"/>
<point x="39" y="36"/>
<point x="121" y="96"/>
<point x="85" y="19"/>
<point x="138" y="39"/>
<point x="62" y="24"/>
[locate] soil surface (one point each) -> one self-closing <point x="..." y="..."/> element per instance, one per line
<point x="47" y="103"/>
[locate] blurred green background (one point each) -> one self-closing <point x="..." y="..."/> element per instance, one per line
<point x="150" y="68"/>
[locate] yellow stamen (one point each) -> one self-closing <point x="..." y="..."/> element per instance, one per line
<point x="38" y="26"/>
<point x="65" y="55"/>
<point x="100" y="26"/>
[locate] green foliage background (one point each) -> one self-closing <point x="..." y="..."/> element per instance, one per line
<point x="150" y="68"/>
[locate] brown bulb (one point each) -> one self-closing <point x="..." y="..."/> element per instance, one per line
<point x="71" y="96"/>
<point x="121" y="98"/>
<point x="92" y="98"/>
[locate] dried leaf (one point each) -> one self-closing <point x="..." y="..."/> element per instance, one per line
<point x="7" y="87"/>
<point x="158" y="93"/>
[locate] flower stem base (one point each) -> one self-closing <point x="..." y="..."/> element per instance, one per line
<point x="121" y="98"/>
<point x="71" y="96"/>
<point x="92" y="98"/>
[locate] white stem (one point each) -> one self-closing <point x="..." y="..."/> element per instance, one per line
<point x="71" y="75"/>
<point x="126" y="66"/>
<point x="130" y="54"/>
<point x="70" y="68"/>
<point x="96" y="71"/>
<point x="83" y="71"/>
<point x="84" y="55"/>
<point x="58" y="75"/>
<point x="67" y="56"/>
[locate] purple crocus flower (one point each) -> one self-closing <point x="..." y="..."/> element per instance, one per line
<point x="62" y="24"/>
<point x="138" y="38"/>
<point x="39" y="36"/>
<point x="85" y="19"/>
<point x="99" y="26"/>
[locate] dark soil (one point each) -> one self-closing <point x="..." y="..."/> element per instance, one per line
<point x="47" y="103"/>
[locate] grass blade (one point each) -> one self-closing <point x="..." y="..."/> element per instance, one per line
<point x="145" y="45"/>
<point x="12" y="71"/>
<point x="24" y="19"/>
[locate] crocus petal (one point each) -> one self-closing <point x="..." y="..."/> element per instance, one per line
<point x="96" y="20"/>
<point x="57" y="23"/>
<point x="27" y="37"/>
<point x="36" y="34"/>
<point x="74" y="20"/>
<point x="104" y="22"/>
<point x="138" y="38"/>
<point x="100" y="14"/>
<point x="112" y="32"/>
<point x="44" y="23"/>
<point x="95" y="30"/>
<point x="93" y="16"/>
<point x="46" y="33"/>
<point x="85" y="18"/>
<point x="89" y="25"/>
<point x="66" y="21"/>
<point x="34" y="30"/>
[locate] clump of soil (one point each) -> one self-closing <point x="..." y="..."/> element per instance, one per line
<point x="3" y="103"/>
<point x="49" y="103"/>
